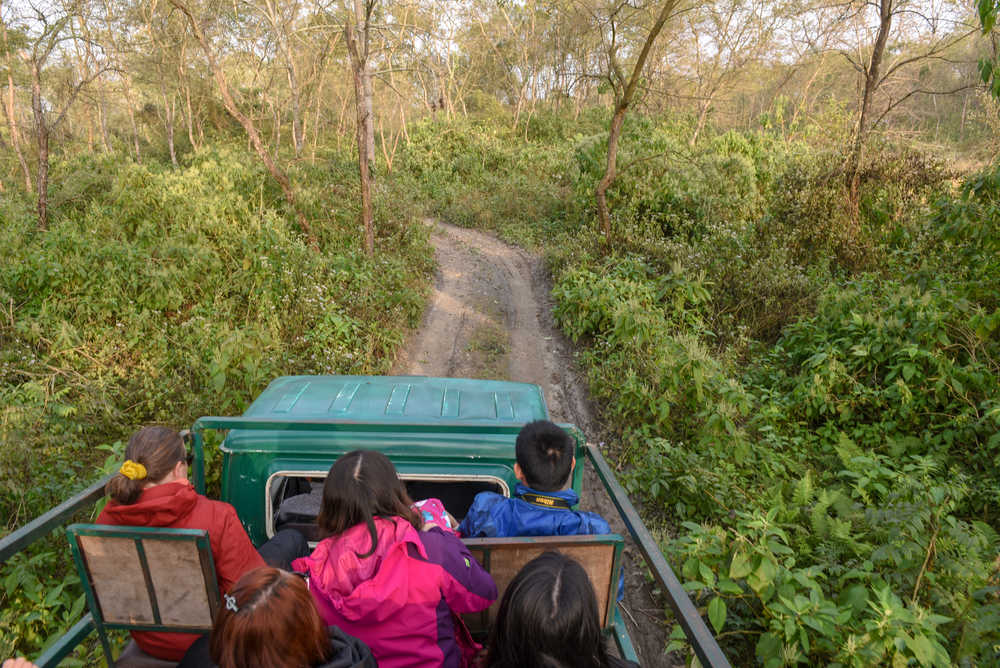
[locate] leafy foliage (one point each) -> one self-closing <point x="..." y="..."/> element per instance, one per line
<point x="837" y="491"/>
<point x="160" y="295"/>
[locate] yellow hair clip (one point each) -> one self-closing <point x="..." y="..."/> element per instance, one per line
<point x="133" y="470"/>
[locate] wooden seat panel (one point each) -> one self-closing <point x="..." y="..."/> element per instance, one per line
<point x="503" y="558"/>
<point x="172" y="566"/>
<point x="145" y="579"/>
<point x="117" y="579"/>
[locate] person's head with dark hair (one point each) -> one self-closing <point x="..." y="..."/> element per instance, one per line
<point x="545" y="458"/>
<point x="269" y="619"/>
<point x="153" y="456"/>
<point x="548" y="619"/>
<point x="361" y="486"/>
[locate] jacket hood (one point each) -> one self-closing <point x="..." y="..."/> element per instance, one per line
<point x="160" y="505"/>
<point x="348" y="652"/>
<point x="372" y="588"/>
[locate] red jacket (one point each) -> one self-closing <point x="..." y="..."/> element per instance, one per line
<point x="176" y="505"/>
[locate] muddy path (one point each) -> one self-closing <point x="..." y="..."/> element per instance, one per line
<point x="490" y="317"/>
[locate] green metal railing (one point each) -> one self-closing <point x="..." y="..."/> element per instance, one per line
<point x="39" y="528"/>
<point x="697" y="632"/>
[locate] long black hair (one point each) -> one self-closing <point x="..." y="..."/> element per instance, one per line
<point x="548" y="619"/>
<point x="362" y="485"/>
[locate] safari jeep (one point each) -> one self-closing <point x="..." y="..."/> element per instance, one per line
<point x="449" y="438"/>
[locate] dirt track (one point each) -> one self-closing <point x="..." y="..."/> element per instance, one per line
<point x="490" y="317"/>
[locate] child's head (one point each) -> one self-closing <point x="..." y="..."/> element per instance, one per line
<point x="153" y="455"/>
<point x="362" y="485"/>
<point x="544" y="454"/>
<point x="269" y="619"/>
<point x="548" y="617"/>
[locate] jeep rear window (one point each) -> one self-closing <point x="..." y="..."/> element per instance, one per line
<point x="295" y="497"/>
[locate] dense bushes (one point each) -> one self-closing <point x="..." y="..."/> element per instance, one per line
<point x="839" y="492"/>
<point x="484" y="175"/>
<point x="161" y="295"/>
<point x="808" y="401"/>
<point x="166" y="294"/>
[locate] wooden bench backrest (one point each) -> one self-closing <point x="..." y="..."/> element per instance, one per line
<point x="600" y="556"/>
<point x="141" y="578"/>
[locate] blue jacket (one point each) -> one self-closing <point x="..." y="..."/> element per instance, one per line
<point x="529" y="513"/>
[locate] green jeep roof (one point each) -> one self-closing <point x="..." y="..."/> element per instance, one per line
<point x="409" y="416"/>
<point x="409" y="399"/>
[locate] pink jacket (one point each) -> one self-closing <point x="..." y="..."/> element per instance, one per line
<point x="400" y="600"/>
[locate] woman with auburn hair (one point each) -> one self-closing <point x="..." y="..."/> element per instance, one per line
<point x="383" y="575"/>
<point x="152" y="489"/>
<point x="548" y="619"/>
<point x="269" y="620"/>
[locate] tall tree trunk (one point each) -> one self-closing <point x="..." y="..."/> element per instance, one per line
<point x="315" y="129"/>
<point x="621" y="106"/>
<point x="102" y="121"/>
<point x="364" y="145"/>
<point x="189" y="116"/>
<point x="168" y="112"/>
<point x="281" y="35"/>
<point x="705" y="105"/>
<point x="15" y="139"/>
<point x="126" y="82"/>
<point x="42" y="137"/>
<point x="341" y="131"/>
<point x="609" y="173"/>
<point x="10" y="111"/>
<point x="275" y="129"/>
<point x="361" y="17"/>
<point x="366" y="80"/>
<point x="247" y="123"/>
<point x="297" y="130"/>
<point x="871" y="74"/>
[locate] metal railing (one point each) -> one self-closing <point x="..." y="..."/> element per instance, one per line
<point x="39" y="528"/>
<point x="702" y="641"/>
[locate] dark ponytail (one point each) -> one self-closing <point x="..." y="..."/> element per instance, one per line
<point x="158" y="449"/>
<point x="361" y="486"/>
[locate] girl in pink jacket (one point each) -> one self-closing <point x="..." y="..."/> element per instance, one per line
<point x="386" y="578"/>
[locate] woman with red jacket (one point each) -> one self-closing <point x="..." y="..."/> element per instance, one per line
<point x="152" y="490"/>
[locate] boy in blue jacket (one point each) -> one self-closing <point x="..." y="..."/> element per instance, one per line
<point x="543" y="501"/>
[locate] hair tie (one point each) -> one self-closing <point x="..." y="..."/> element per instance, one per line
<point x="133" y="470"/>
<point x="231" y="603"/>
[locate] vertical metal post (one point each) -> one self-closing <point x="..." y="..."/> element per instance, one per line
<point x="198" y="445"/>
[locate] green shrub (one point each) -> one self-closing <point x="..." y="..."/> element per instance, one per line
<point x="485" y="175"/>
<point x="838" y="490"/>
<point x="160" y="295"/>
